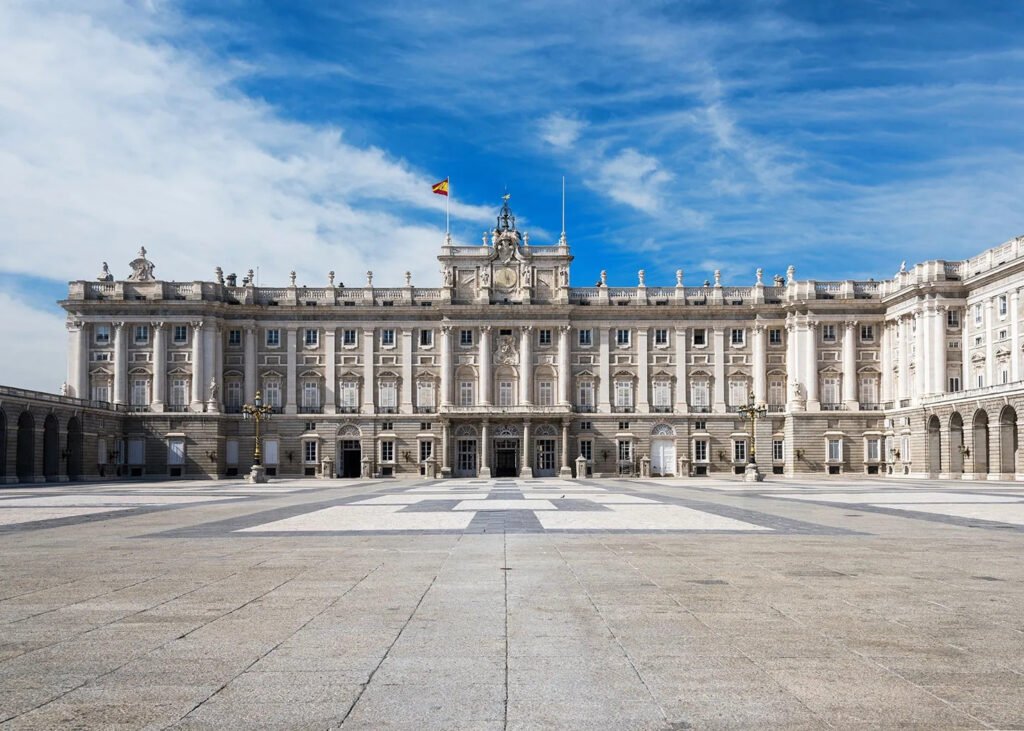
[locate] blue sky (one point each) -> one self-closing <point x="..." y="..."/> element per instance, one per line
<point x="839" y="137"/>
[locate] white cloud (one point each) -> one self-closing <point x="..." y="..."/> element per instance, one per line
<point x="34" y="345"/>
<point x="560" y="131"/>
<point x="632" y="178"/>
<point x="113" y="138"/>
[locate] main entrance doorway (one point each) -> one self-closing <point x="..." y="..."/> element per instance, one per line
<point x="663" y="457"/>
<point x="351" y="454"/>
<point x="465" y="458"/>
<point x="505" y="457"/>
<point x="545" y="458"/>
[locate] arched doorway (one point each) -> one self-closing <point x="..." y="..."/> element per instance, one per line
<point x="545" y="444"/>
<point x="506" y="451"/>
<point x="663" y="451"/>
<point x="1008" y="440"/>
<point x="465" y="451"/>
<point x="51" y="448"/>
<point x="980" y="442"/>
<point x="25" y="461"/>
<point x="76" y="448"/>
<point x="934" y="446"/>
<point x="350" y="452"/>
<point x="956" y="444"/>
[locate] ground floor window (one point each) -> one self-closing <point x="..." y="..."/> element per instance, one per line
<point x="872" y="450"/>
<point x="739" y="450"/>
<point x="625" y="450"/>
<point x="835" y="450"/>
<point x="387" y="450"/>
<point x="426" y="450"/>
<point x="176" y="452"/>
<point x="309" y="451"/>
<point x="271" y="451"/>
<point x="700" y="450"/>
<point x="136" y="451"/>
<point x="587" y="449"/>
<point x="778" y="450"/>
<point x="231" y="452"/>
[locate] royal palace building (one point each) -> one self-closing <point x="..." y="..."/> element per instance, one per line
<point x="506" y="369"/>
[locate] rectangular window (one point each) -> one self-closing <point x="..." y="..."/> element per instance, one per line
<point x="828" y="333"/>
<point x="465" y="338"/>
<point x="869" y="390"/>
<point x="736" y="336"/>
<point x="739" y="451"/>
<point x="467" y="393"/>
<point x="349" y="394"/>
<point x="311" y="395"/>
<point x="587" y="449"/>
<point x="506" y="395"/>
<point x="775" y="336"/>
<point x="954" y="384"/>
<point x="273" y="338"/>
<point x="426" y="449"/>
<point x="953" y="318"/>
<point x="872" y="450"/>
<point x="271" y="451"/>
<point x="141" y="334"/>
<point x="776" y="392"/>
<point x="1003" y="309"/>
<point x="101" y="392"/>
<point x="387" y="338"/>
<point x="700" y="336"/>
<point x="233" y="395"/>
<point x="586" y="338"/>
<point x="623" y="426"/>
<point x="348" y="337"/>
<point x="234" y="338"/>
<point x="835" y="450"/>
<point x="387" y="395"/>
<point x="309" y="452"/>
<point x="387" y="426"/>
<point x="1004" y="376"/>
<point x="102" y="334"/>
<point x="700" y="425"/>
<point x="586" y="395"/>
<point x="176" y="452"/>
<point x="700" y="450"/>
<point x="179" y="392"/>
<point x="737" y="393"/>
<point x="311" y="338"/>
<point x="272" y="393"/>
<point x="387" y="451"/>
<point x="140" y="392"/>
<point x="425" y="394"/>
<point x="977" y="314"/>
<point x="623" y="393"/>
<point x="979" y="340"/>
<point x="830" y="391"/>
<point x="660" y="336"/>
<point x="662" y="394"/>
<point x="699" y="394"/>
<point x="231" y="451"/>
<point x="1003" y="334"/>
<point x="867" y="333"/>
<point x="136" y="451"/>
<point x="778" y="450"/>
<point x="621" y="336"/>
<point x="544" y="337"/>
<point x="981" y="380"/>
<point x="625" y="450"/>
<point x="181" y="334"/>
<point x="545" y="393"/>
<point x="426" y="338"/>
<point x="586" y="425"/>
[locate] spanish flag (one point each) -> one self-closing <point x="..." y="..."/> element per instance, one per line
<point x="441" y="188"/>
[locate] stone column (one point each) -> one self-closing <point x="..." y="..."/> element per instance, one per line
<point x="120" y="395"/>
<point x="368" y="383"/>
<point x="330" y="370"/>
<point x="604" y="372"/>
<point x="78" y="359"/>
<point x="485" y="466"/>
<point x="811" y="366"/>
<point x="198" y="374"/>
<point x="681" y="386"/>
<point x="159" y="368"/>
<point x="850" y="366"/>
<point x="566" y="470"/>
<point x="643" y="386"/>
<point x="526" y="470"/>
<point x="526" y="365"/>
<point x="251" y="385"/>
<point x="794" y="401"/>
<point x="291" y="405"/>
<point x="760" y="365"/>
<point x="484" y="370"/>
<point x="940" y="383"/>
<point x="885" y="334"/>
<point x="990" y="345"/>
<point x="446" y="365"/>
<point x="446" y="467"/>
<point x="212" y="366"/>
<point x="406" y="403"/>
<point x="718" y="340"/>
<point x="564" y="396"/>
<point x="903" y="386"/>
<point x="1015" y="337"/>
<point x="965" y="353"/>
<point x="920" y="354"/>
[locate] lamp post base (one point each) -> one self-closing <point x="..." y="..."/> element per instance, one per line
<point x="257" y="475"/>
<point x="752" y="473"/>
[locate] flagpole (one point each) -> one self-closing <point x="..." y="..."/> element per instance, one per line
<point x="563" y="205"/>
<point x="447" y="202"/>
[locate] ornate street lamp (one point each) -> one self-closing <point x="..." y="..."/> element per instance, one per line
<point x="257" y="411"/>
<point x="753" y="412"/>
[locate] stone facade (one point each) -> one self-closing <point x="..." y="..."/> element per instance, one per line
<point x="507" y="369"/>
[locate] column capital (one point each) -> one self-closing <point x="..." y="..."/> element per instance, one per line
<point x="851" y="324"/>
<point x="196" y="324"/>
<point x="526" y="329"/>
<point x="157" y="325"/>
<point x="118" y="325"/>
<point x="446" y="329"/>
<point x="485" y="328"/>
<point x="565" y="328"/>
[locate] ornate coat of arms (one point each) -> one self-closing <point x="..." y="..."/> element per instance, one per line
<point x="507" y="352"/>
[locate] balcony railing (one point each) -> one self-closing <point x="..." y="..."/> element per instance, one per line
<point x="584" y="409"/>
<point x="311" y="409"/>
<point x="348" y="409"/>
<point x="776" y="408"/>
<point x="176" y="408"/>
<point x="426" y="409"/>
<point x="700" y="409"/>
<point x="661" y="409"/>
<point x="232" y="408"/>
<point x="623" y="409"/>
<point x="387" y="409"/>
<point x="833" y="407"/>
<point x="870" y="406"/>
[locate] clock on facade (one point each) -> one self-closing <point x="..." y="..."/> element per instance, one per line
<point x="505" y="277"/>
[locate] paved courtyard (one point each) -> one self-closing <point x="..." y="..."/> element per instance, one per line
<point x="478" y="604"/>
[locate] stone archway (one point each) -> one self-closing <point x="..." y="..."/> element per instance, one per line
<point x="75" y="448"/>
<point x="25" y="460"/>
<point x="934" y="446"/>
<point x="1008" y="440"/>
<point x="980" y="450"/>
<point x="956" y="444"/>
<point x="51" y="448"/>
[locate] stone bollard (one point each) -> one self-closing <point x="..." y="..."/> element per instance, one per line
<point x="581" y="467"/>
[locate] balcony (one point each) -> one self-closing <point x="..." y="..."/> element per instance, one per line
<point x="585" y="409"/>
<point x="623" y="409"/>
<point x="176" y="408"/>
<point x="700" y="409"/>
<point x="348" y="409"/>
<point x="138" y="407"/>
<point x="426" y="409"/>
<point x="733" y="408"/>
<point x="311" y="409"/>
<point x="870" y="406"/>
<point x="387" y="409"/>
<point x="776" y="408"/>
<point x="661" y="409"/>
<point x="232" y="408"/>
<point x="833" y="407"/>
